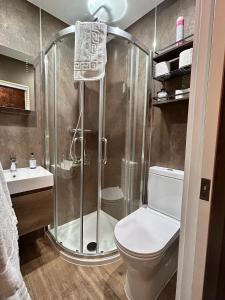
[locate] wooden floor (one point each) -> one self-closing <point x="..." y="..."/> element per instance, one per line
<point x="48" y="276"/>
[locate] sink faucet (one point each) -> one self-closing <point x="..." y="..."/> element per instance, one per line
<point x="13" y="166"/>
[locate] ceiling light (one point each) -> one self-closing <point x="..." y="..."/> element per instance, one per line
<point x="107" y="10"/>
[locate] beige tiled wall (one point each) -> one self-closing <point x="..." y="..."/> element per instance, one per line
<point x="170" y="122"/>
<point x="20" y="30"/>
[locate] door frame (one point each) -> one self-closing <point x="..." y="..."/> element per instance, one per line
<point x="204" y="109"/>
<point x="215" y="258"/>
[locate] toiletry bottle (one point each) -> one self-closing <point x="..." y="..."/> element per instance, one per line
<point x="162" y="95"/>
<point x="180" y="30"/>
<point x="32" y="161"/>
<point x="13" y="166"/>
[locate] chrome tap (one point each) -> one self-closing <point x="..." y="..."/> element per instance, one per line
<point x="13" y="165"/>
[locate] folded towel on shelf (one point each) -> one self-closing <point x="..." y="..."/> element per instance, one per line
<point x="12" y="286"/>
<point x="90" y="54"/>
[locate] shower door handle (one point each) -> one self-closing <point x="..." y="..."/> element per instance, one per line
<point x="77" y="157"/>
<point x="104" y="160"/>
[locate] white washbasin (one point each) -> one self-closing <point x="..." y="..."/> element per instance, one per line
<point x="28" y="179"/>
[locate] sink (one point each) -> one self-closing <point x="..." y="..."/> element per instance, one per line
<point x="28" y="179"/>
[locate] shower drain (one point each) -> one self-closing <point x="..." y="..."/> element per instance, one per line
<point x="92" y="246"/>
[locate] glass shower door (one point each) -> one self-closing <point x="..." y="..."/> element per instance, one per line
<point x="122" y="102"/>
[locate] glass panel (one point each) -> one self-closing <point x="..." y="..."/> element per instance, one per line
<point x="90" y="195"/>
<point x="64" y="140"/>
<point x="123" y="125"/>
<point x="138" y="129"/>
<point x="112" y="141"/>
<point x="49" y="120"/>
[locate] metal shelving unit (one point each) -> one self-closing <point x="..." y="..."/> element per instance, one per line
<point x="170" y="99"/>
<point x="174" y="74"/>
<point x="173" y="50"/>
<point x="171" y="53"/>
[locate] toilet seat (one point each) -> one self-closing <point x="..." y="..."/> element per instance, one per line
<point x="146" y="233"/>
<point x="142" y="257"/>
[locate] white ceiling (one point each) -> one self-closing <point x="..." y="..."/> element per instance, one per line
<point x="70" y="11"/>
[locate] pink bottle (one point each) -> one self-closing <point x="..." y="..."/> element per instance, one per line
<point x="180" y="30"/>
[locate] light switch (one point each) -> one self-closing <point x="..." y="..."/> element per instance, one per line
<point x="205" y="189"/>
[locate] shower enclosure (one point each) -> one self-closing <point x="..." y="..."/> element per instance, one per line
<point x="95" y="144"/>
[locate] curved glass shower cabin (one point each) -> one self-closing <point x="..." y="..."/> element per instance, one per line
<point x="95" y="140"/>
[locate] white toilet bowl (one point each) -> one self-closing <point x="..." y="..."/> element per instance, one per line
<point x="148" y="238"/>
<point x="148" y="243"/>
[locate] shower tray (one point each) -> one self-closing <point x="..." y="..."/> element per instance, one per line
<point x="68" y="234"/>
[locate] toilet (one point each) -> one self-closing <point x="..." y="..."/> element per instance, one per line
<point x="148" y="238"/>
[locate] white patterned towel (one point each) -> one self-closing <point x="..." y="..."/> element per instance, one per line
<point x="12" y="286"/>
<point x="90" y="54"/>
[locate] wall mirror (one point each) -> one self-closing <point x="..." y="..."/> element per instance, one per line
<point x="17" y="81"/>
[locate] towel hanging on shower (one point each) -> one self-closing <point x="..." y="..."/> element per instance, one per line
<point x="90" y="54"/>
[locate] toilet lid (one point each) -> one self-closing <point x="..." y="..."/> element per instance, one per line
<point x="146" y="231"/>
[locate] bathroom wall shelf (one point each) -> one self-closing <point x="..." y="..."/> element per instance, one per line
<point x="164" y="102"/>
<point x="171" y="99"/>
<point x="11" y="110"/>
<point x="173" y="50"/>
<point x="174" y="74"/>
